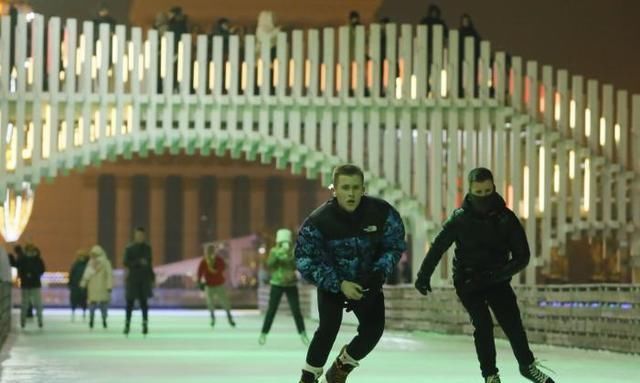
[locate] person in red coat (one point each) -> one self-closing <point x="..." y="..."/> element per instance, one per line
<point x="211" y="280"/>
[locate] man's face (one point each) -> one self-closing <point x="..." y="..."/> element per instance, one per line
<point x="138" y="236"/>
<point x="348" y="191"/>
<point x="481" y="189"/>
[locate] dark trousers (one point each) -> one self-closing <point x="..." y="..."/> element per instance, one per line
<point x="502" y="301"/>
<point x="143" y="307"/>
<point x="275" y="296"/>
<point x="370" y="314"/>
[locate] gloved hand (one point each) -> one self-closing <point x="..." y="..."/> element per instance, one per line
<point x="201" y="285"/>
<point x="423" y="284"/>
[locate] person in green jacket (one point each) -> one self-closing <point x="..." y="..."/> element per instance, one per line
<point x="282" y="265"/>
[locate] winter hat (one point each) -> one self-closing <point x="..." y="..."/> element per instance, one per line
<point x="283" y="235"/>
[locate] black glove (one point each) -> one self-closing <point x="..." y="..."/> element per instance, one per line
<point x="423" y="284"/>
<point x="201" y="285"/>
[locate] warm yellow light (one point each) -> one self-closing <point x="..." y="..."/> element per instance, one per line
<point x="617" y="132"/>
<point x="556" y="107"/>
<point x="443" y="83"/>
<point x="227" y="75"/>
<point x="243" y="76"/>
<point x="414" y="87"/>
<point x="195" y="76"/>
<point x="307" y="73"/>
<point x="398" y="87"/>
<point x="572" y="164"/>
<point x="572" y="114"/>
<point x="603" y="131"/>
<point x="556" y="178"/>
<point x="292" y="73"/>
<point x="15" y="212"/>
<point x="587" y="181"/>
<point x="211" y="75"/>
<point x="587" y="122"/>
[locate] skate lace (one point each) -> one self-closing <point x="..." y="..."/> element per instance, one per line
<point x="537" y="374"/>
<point x="493" y="379"/>
<point x="342" y="371"/>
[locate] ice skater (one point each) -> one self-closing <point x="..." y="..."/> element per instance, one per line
<point x="211" y="280"/>
<point x="77" y="294"/>
<point x="491" y="247"/>
<point x="347" y="248"/>
<point x="139" y="279"/>
<point x="282" y="266"/>
<point x="98" y="280"/>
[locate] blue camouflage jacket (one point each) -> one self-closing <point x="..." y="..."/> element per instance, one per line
<point x="334" y="245"/>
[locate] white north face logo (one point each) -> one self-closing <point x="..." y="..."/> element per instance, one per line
<point x="370" y="229"/>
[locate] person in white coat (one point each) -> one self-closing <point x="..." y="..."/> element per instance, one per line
<point x="98" y="280"/>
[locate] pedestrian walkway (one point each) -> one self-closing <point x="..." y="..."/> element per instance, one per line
<point x="181" y="347"/>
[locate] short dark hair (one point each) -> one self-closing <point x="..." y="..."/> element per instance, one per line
<point x="480" y="175"/>
<point x="140" y="229"/>
<point x="346" y="170"/>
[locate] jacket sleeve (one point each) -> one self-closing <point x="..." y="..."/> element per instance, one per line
<point x="439" y="246"/>
<point x="126" y="259"/>
<point x="311" y="261"/>
<point x="520" y="253"/>
<point x="41" y="267"/>
<point x="393" y="243"/>
<point x="88" y="274"/>
<point x="109" y="276"/>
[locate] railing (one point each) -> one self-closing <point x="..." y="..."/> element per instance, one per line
<point x="563" y="149"/>
<point x="5" y="311"/>
<point x="603" y="317"/>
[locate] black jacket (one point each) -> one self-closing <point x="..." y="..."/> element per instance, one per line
<point x="30" y="269"/>
<point x="492" y="244"/>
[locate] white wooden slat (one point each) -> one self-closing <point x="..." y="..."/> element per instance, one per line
<point x="592" y="126"/>
<point x="342" y="134"/>
<point x="635" y="142"/>
<point x="250" y="66"/>
<point x="406" y="44"/>
<point x="391" y="56"/>
<point x="234" y="66"/>
<point x="326" y="131"/>
<point x="118" y="86"/>
<point x="157" y="135"/>
<point x="563" y="148"/>
<point x="469" y="140"/>
<point x="437" y="64"/>
<point x="389" y="147"/>
<point x="577" y="94"/>
<point x="484" y="69"/>
<point x="606" y="195"/>
<point x="595" y="166"/>
<point x="404" y="150"/>
<point x="609" y="122"/>
<point x="420" y="158"/>
<point x="563" y="92"/>
<point x="374" y="133"/>
<point x="103" y="59"/>
<point x="500" y="77"/>
<point x="184" y="58"/>
<point x="297" y="54"/>
<point x="453" y="69"/>
<point x="53" y="79"/>
<point x="532" y="162"/>
<point x="21" y="95"/>
<point x="548" y="236"/>
<point x="517" y="77"/>
<point x="622" y="121"/>
<point x="313" y="57"/>
<point x="516" y="169"/>
<point x="420" y="61"/>
<point x="532" y="96"/>
<point x="436" y="169"/>
<point x="5" y="45"/>
<point x="282" y="54"/>
<point x="485" y="139"/>
<point x="357" y="137"/>
<point x="500" y="153"/>
<point x="328" y="61"/>
<point x="453" y="153"/>
<point x="376" y="55"/>
<point x="549" y="97"/>
<point x="360" y="63"/>
<point x="344" y="61"/>
<point x="219" y="68"/>
<point x="86" y="90"/>
<point x="200" y="84"/>
<point x="70" y="89"/>
<point x="37" y="46"/>
<point x="311" y="129"/>
<point x="469" y="67"/>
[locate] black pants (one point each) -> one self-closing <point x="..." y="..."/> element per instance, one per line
<point x="275" y="296"/>
<point x="370" y="314"/>
<point x="143" y="307"/>
<point x="502" y="301"/>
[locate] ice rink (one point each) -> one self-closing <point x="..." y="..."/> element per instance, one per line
<point x="181" y="347"/>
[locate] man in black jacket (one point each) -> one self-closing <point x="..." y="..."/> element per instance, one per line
<point x="30" y="269"/>
<point x="139" y="279"/>
<point x="491" y="247"/>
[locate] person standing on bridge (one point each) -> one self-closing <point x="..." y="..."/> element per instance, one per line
<point x="139" y="279"/>
<point x="211" y="280"/>
<point x="282" y="265"/>
<point x="491" y="247"/>
<point x="347" y="248"/>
